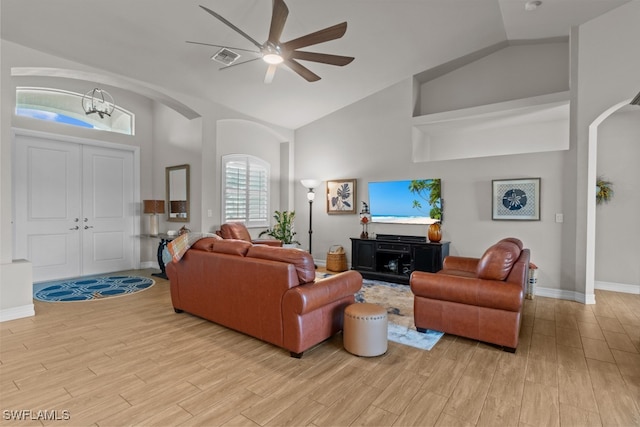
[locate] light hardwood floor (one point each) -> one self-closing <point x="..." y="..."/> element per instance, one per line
<point x="133" y="361"/>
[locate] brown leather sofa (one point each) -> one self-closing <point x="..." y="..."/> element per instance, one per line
<point x="481" y="299"/>
<point x="267" y="292"/>
<point x="238" y="231"/>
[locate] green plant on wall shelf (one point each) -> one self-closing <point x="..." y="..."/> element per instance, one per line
<point x="283" y="228"/>
<point x="604" y="190"/>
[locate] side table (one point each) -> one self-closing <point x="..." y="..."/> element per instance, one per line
<point x="164" y="239"/>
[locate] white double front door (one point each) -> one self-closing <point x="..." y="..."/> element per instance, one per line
<point x="74" y="207"/>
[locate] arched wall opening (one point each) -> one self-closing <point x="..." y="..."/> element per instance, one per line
<point x="592" y="164"/>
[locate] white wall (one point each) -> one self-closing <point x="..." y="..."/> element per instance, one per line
<point x="604" y="73"/>
<point x="177" y="141"/>
<point x="15" y="280"/>
<point x="165" y="138"/>
<point x="617" y="226"/>
<point x="371" y="140"/>
<point x="249" y="137"/>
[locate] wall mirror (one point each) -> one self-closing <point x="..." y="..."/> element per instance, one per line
<point x="178" y="193"/>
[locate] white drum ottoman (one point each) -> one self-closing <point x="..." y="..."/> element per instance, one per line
<point x="365" y="329"/>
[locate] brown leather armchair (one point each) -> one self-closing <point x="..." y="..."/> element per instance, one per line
<point x="238" y="231"/>
<point x="481" y="299"/>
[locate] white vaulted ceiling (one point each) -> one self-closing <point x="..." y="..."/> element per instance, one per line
<point x="391" y="40"/>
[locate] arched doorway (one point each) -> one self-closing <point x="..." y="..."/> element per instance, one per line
<point x="591" y="196"/>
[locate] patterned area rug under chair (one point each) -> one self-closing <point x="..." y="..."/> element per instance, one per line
<point x="398" y="301"/>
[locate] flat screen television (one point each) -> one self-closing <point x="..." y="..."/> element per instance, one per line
<point x="406" y="202"/>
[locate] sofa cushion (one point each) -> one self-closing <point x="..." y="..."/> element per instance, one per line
<point x="497" y="261"/>
<point x="230" y="246"/>
<point x="206" y="243"/>
<point x="235" y="230"/>
<point x="460" y="273"/>
<point x="302" y="260"/>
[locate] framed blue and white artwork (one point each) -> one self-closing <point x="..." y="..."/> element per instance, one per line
<point x="516" y="199"/>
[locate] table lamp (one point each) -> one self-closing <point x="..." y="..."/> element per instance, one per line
<point x="153" y="207"/>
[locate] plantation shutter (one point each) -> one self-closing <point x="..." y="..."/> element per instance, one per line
<point x="246" y="190"/>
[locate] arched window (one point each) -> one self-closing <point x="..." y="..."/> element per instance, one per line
<point x="245" y="190"/>
<point x="66" y="107"/>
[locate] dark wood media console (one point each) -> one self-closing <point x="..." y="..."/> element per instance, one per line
<point x="392" y="258"/>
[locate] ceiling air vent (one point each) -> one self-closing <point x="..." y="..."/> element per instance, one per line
<point x="225" y="56"/>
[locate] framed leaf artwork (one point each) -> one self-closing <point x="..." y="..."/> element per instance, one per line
<point x="341" y="196"/>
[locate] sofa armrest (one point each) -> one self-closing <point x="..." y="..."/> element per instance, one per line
<point x="306" y="298"/>
<point x="268" y="242"/>
<point x="467" y="290"/>
<point x="460" y="263"/>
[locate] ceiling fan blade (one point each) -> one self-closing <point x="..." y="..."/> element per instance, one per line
<point x="278" y="19"/>
<point x="304" y="72"/>
<point x="271" y="71"/>
<point x="321" y="36"/>
<point x="229" y="24"/>
<point x="324" y="58"/>
<point x="226" y="47"/>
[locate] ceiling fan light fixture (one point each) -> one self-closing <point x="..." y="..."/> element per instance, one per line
<point x="272" y="58"/>
<point x="274" y="52"/>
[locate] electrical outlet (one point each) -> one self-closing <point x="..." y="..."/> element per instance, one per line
<point x="559" y="217"/>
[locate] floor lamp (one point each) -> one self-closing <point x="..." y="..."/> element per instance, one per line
<point x="310" y="184"/>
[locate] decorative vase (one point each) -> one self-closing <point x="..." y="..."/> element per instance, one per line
<point x="434" y="233"/>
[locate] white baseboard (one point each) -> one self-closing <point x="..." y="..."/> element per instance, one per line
<point x="17" y="312"/>
<point x="566" y="295"/>
<point x="587" y="298"/>
<point x="618" y="287"/>
<point x="149" y="264"/>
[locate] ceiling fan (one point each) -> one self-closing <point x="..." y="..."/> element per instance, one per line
<point x="275" y="52"/>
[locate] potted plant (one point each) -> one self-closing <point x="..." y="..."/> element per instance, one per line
<point x="283" y="228"/>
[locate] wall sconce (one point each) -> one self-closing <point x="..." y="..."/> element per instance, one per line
<point x="153" y="207"/>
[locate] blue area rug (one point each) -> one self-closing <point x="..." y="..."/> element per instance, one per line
<point x="90" y="288"/>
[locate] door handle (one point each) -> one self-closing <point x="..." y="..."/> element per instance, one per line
<point x="86" y="227"/>
<point x="75" y="228"/>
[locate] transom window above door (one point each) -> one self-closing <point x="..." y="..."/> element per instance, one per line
<point x="63" y="106"/>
